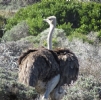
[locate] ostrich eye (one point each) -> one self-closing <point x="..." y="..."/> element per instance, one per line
<point x="50" y="19"/>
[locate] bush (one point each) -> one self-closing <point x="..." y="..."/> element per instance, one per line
<point x="34" y="14"/>
<point x="19" y="31"/>
<point x="86" y="88"/>
<point x="11" y="90"/>
<point x="90" y="16"/>
<point x="80" y="16"/>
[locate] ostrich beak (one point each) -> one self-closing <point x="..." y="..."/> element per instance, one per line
<point x="46" y="20"/>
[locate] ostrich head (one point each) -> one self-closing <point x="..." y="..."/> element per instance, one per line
<point x="52" y="23"/>
<point x="51" y="20"/>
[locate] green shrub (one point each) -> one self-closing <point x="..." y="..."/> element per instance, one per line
<point x="90" y="16"/>
<point x="80" y="16"/>
<point x="34" y="15"/>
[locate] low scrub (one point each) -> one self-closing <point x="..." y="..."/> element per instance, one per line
<point x="86" y="88"/>
<point x="19" y="31"/>
<point x="88" y="85"/>
<point x="11" y="90"/>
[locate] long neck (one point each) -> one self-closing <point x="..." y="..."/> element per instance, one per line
<point x="49" y="39"/>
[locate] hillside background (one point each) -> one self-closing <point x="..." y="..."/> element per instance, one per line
<point x="78" y="28"/>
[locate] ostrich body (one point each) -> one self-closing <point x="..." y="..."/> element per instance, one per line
<point x="36" y="66"/>
<point x="48" y="70"/>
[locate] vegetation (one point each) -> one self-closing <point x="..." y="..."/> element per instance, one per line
<point x="15" y="4"/>
<point x="2" y="22"/>
<point x="76" y="19"/>
<point x="17" y="32"/>
<point x="81" y="17"/>
<point x="2" y="25"/>
<point x="11" y="90"/>
<point x="86" y="88"/>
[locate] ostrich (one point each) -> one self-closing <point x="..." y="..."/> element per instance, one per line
<point x="37" y="66"/>
<point x="48" y="70"/>
<point x="68" y="63"/>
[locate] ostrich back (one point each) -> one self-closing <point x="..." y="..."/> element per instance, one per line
<point x="37" y="64"/>
<point x="68" y="65"/>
